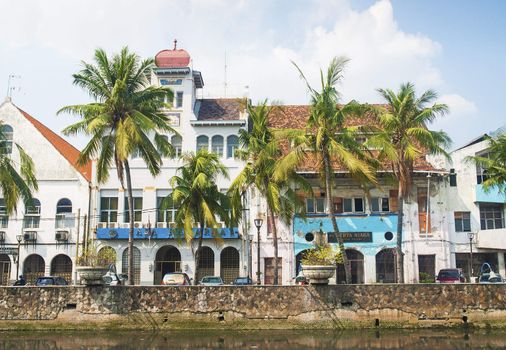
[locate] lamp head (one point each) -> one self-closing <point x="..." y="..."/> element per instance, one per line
<point x="258" y="223"/>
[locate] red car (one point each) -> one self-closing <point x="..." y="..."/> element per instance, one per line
<point x="450" y="276"/>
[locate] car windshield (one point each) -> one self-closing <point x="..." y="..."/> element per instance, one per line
<point x="175" y="278"/>
<point x="211" y="280"/>
<point x="241" y="280"/>
<point x="449" y="274"/>
<point x="45" y="282"/>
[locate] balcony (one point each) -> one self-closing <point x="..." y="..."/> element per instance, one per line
<point x="493" y="196"/>
<point x="368" y="231"/>
<point x="491" y="239"/>
<point x="163" y="233"/>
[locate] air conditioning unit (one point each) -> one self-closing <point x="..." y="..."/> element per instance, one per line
<point x="138" y="224"/>
<point x="61" y="235"/>
<point x="124" y="225"/>
<point x="2" y="236"/>
<point x="161" y="225"/>
<point x="113" y="225"/>
<point x="102" y="225"/>
<point x="172" y="225"/>
<point x="30" y="236"/>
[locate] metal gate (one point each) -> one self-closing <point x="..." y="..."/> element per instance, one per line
<point x="167" y="260"/>
<point x="137" y="264"/>
<point x="229" y="261"/>
<point x="269" y="271"/>
<point x="386" y="271"/>
<point x="206" y="263"/>
<point x="61" y="266"/>
<point x="5" y="269"/>
<point x="33" y="268"/>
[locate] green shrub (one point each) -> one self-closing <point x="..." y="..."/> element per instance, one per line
<point x="322" y="255"/>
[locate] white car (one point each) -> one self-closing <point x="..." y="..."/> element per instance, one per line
<point x="211" y="281"/>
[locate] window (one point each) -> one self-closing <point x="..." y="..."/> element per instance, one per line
<point x="380" y="204"/>
<point x="179" y="99"/>
<point x="177" y="143"/>
<point x="32" y="214"/>
<point x="232" y="145"/>
<point x="353" y="205"/>
<point x="462" y="221"/>
<point x="202" y="142"/>
<point x="168" y="214"/>
<point x="315" y="205"/>
<point x="137" y="210"/>
<point x="453" y="178"/>
<point x="217" y="145"/>
<point x="8" y="132"/>
<point x="491" y="216"/>
<point x="481" y="173"/>
<point x="63" y="213"/>
<point x="109" y="209"/>
<point x="4" y="218"/>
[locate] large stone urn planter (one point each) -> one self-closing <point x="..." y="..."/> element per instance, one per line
<point x="92" y="275"/>
<point x="318" y="274"/>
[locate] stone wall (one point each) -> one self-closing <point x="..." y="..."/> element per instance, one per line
<point x="332" y="305"/>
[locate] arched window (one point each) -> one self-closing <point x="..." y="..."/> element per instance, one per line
<point x="64" y="216"/>
<point x="6" y="143"/>
<point x="232" y="145"/>
<point x="205" y="263"/>
<point x="177" y="143"/>
<point x="229" y="263"/>
<point x="202" y="142"/>
<point x="217" y="145"/>
<point x="32" y="214"/>
<point x="137" y="264"/>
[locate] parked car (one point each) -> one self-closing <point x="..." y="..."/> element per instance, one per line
<point x="211" y="281"/>
<point x="113" y="279"/>
<point x="487" y="275"/>
<point x="50" y="281"/>
<point x="450" y="276"/>
<point x="176" y="279"/>
<point x="242" y="281"/>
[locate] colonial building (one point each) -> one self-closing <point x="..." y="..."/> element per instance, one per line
<point x="212" y="124"/>
<point x="476" y="217"/>
<point x="369" y="222"/>
<point x="40" y="239"/>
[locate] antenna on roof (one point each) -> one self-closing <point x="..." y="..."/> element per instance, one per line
<point x="175" y="44"/>
<point x="225" y="73"/>
<point x="10" y="88"/>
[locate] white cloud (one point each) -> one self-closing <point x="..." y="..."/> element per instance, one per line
<point x="459" y="106"/>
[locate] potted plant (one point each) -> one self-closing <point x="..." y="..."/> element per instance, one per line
<point x="319" y="263"/>
<point x="92" y="265"/>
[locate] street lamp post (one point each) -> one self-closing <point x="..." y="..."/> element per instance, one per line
<point x="258" y="224"/>
<point x="470" y="235"/>
<point x="19" y="238"/>
<point x="250" y="260"/>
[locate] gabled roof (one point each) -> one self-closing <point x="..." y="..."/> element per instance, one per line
<point x="212" y="109"/>
<point x="296" y="116"/>
<point x="494" y="133"/>
<point x="69" y="152"/>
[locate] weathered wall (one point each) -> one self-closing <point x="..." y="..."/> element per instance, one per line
<point x="336" y="305"/>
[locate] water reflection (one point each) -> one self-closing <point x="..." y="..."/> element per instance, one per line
<point x="256" y="340"/>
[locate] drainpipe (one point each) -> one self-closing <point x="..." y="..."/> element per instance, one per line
<point x="427" y="216"/>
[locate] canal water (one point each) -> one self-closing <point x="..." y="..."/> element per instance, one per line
<point x="255" y="340"/>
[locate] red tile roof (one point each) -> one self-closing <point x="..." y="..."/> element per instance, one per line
<point x="172" y="59"/>
<point x="296" y="116"/>
<point x="220" y="109"/>
<point x="69" y="152"/>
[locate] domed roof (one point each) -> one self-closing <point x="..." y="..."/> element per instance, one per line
<point x="172" y="58"/>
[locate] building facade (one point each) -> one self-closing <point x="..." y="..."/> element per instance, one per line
<point x="212" y="124"/>
<point x="40" y="238"/>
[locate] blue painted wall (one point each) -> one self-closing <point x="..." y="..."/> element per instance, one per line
<point x="378" y="224"/>
<point x="493" y="196"/>
<point x="163" y="233"/>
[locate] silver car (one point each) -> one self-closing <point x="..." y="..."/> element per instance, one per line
<point x="211" y="281"/>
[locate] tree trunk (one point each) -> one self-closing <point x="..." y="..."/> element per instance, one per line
<point x="130" y="199"/>
<point x="332" y="217"/>
<point x="197" y="254"/>
<point x="275" y="244"/>
<point x="399" y="253"/>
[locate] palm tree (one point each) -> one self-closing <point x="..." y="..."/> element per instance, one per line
<point x="403" y="137"/>
<point x="127" y="112"/>
<point x="17" y="178"/>
<point x="328" y="137"/>
<point x="495" y="164"/>
<point x="198" y="198"/>
<point x="262" y="154"/>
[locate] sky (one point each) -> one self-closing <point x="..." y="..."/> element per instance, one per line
<point x="456" y="47"/>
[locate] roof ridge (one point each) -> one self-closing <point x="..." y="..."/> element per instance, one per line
<point x="66" y="149"/>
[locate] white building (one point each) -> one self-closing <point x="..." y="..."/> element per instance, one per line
<point x="476" y="217"/>
<point x="202" y="123"/>
<point x="41" y="239"/>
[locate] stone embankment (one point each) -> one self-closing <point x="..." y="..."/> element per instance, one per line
<point x="253" y="306"/>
